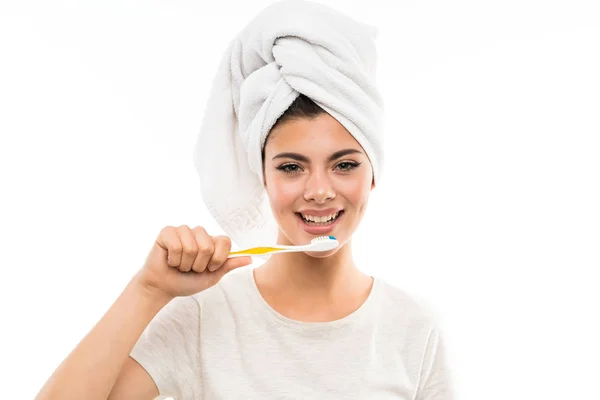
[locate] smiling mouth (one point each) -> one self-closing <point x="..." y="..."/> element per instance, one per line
<point x="320" y="221"/>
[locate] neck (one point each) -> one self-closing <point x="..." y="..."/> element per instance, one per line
<point x="313" y="289"/>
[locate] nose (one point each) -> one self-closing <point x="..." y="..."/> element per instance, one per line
<point x="318" y="188"/>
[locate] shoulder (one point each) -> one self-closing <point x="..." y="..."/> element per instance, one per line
<point x="407" y="310"/>
<point x="234" y="285"/>
<point x="412" y="321"/>
<point x="181" y="318"/>
<point x="188" y="309"/>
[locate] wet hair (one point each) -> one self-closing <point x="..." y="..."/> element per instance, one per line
<point x="302" y="107"/>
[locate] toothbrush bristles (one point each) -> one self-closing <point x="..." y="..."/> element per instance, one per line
<point x="323" y="238"/>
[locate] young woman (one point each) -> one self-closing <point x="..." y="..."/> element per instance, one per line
<point x="301" y="325"/>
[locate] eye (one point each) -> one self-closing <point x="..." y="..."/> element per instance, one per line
<point x="289" y="168"/>
<point x="347" y="165"/>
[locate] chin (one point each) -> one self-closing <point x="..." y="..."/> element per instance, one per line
<point x="321" y="254"/>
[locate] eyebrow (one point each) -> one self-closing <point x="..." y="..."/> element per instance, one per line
<point x="302" y="158"/>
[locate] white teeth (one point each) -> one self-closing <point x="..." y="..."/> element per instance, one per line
<point x="320" y="220"/>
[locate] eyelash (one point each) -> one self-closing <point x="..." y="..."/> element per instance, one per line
<point x="350" y="166"/>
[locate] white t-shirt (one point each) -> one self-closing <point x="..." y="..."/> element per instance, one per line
<point x="228" y="343"/>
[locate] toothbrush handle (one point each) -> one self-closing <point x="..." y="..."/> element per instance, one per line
<point x="259" y="251"/>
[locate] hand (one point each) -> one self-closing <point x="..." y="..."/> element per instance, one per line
<point x="186" y="261"/>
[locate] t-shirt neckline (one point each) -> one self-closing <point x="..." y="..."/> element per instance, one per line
<point x="349" y="320"/>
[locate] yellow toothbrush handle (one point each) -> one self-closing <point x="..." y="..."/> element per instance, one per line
<point x="254" y="251"/>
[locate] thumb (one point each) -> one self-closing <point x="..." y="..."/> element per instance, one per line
<point x="233" y="263"/>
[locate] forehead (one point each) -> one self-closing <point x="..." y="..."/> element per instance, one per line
<point x="311" y="134"/>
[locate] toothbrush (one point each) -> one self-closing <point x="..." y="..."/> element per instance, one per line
<point x="321" y="243"/>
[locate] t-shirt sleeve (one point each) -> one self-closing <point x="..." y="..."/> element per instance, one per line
<point x="168" y="349"/>
<point x="435" y="381"/>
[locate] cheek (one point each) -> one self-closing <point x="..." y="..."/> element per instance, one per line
<point x="357" y="194"/>
<point x="281" y="191"/>
<point x="357" y="190"/>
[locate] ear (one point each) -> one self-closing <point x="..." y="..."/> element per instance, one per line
<point x="373" y="183"/>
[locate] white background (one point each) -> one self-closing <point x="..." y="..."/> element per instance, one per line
<point x="489" y="209"/>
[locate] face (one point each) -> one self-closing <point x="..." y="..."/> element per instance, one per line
<point x="318" y="180"/>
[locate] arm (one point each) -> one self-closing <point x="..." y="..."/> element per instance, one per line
<point x="102" y="358"/>
<point x="100" y="367"/>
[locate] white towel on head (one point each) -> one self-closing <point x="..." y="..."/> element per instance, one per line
<point x="290" y="47"/>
